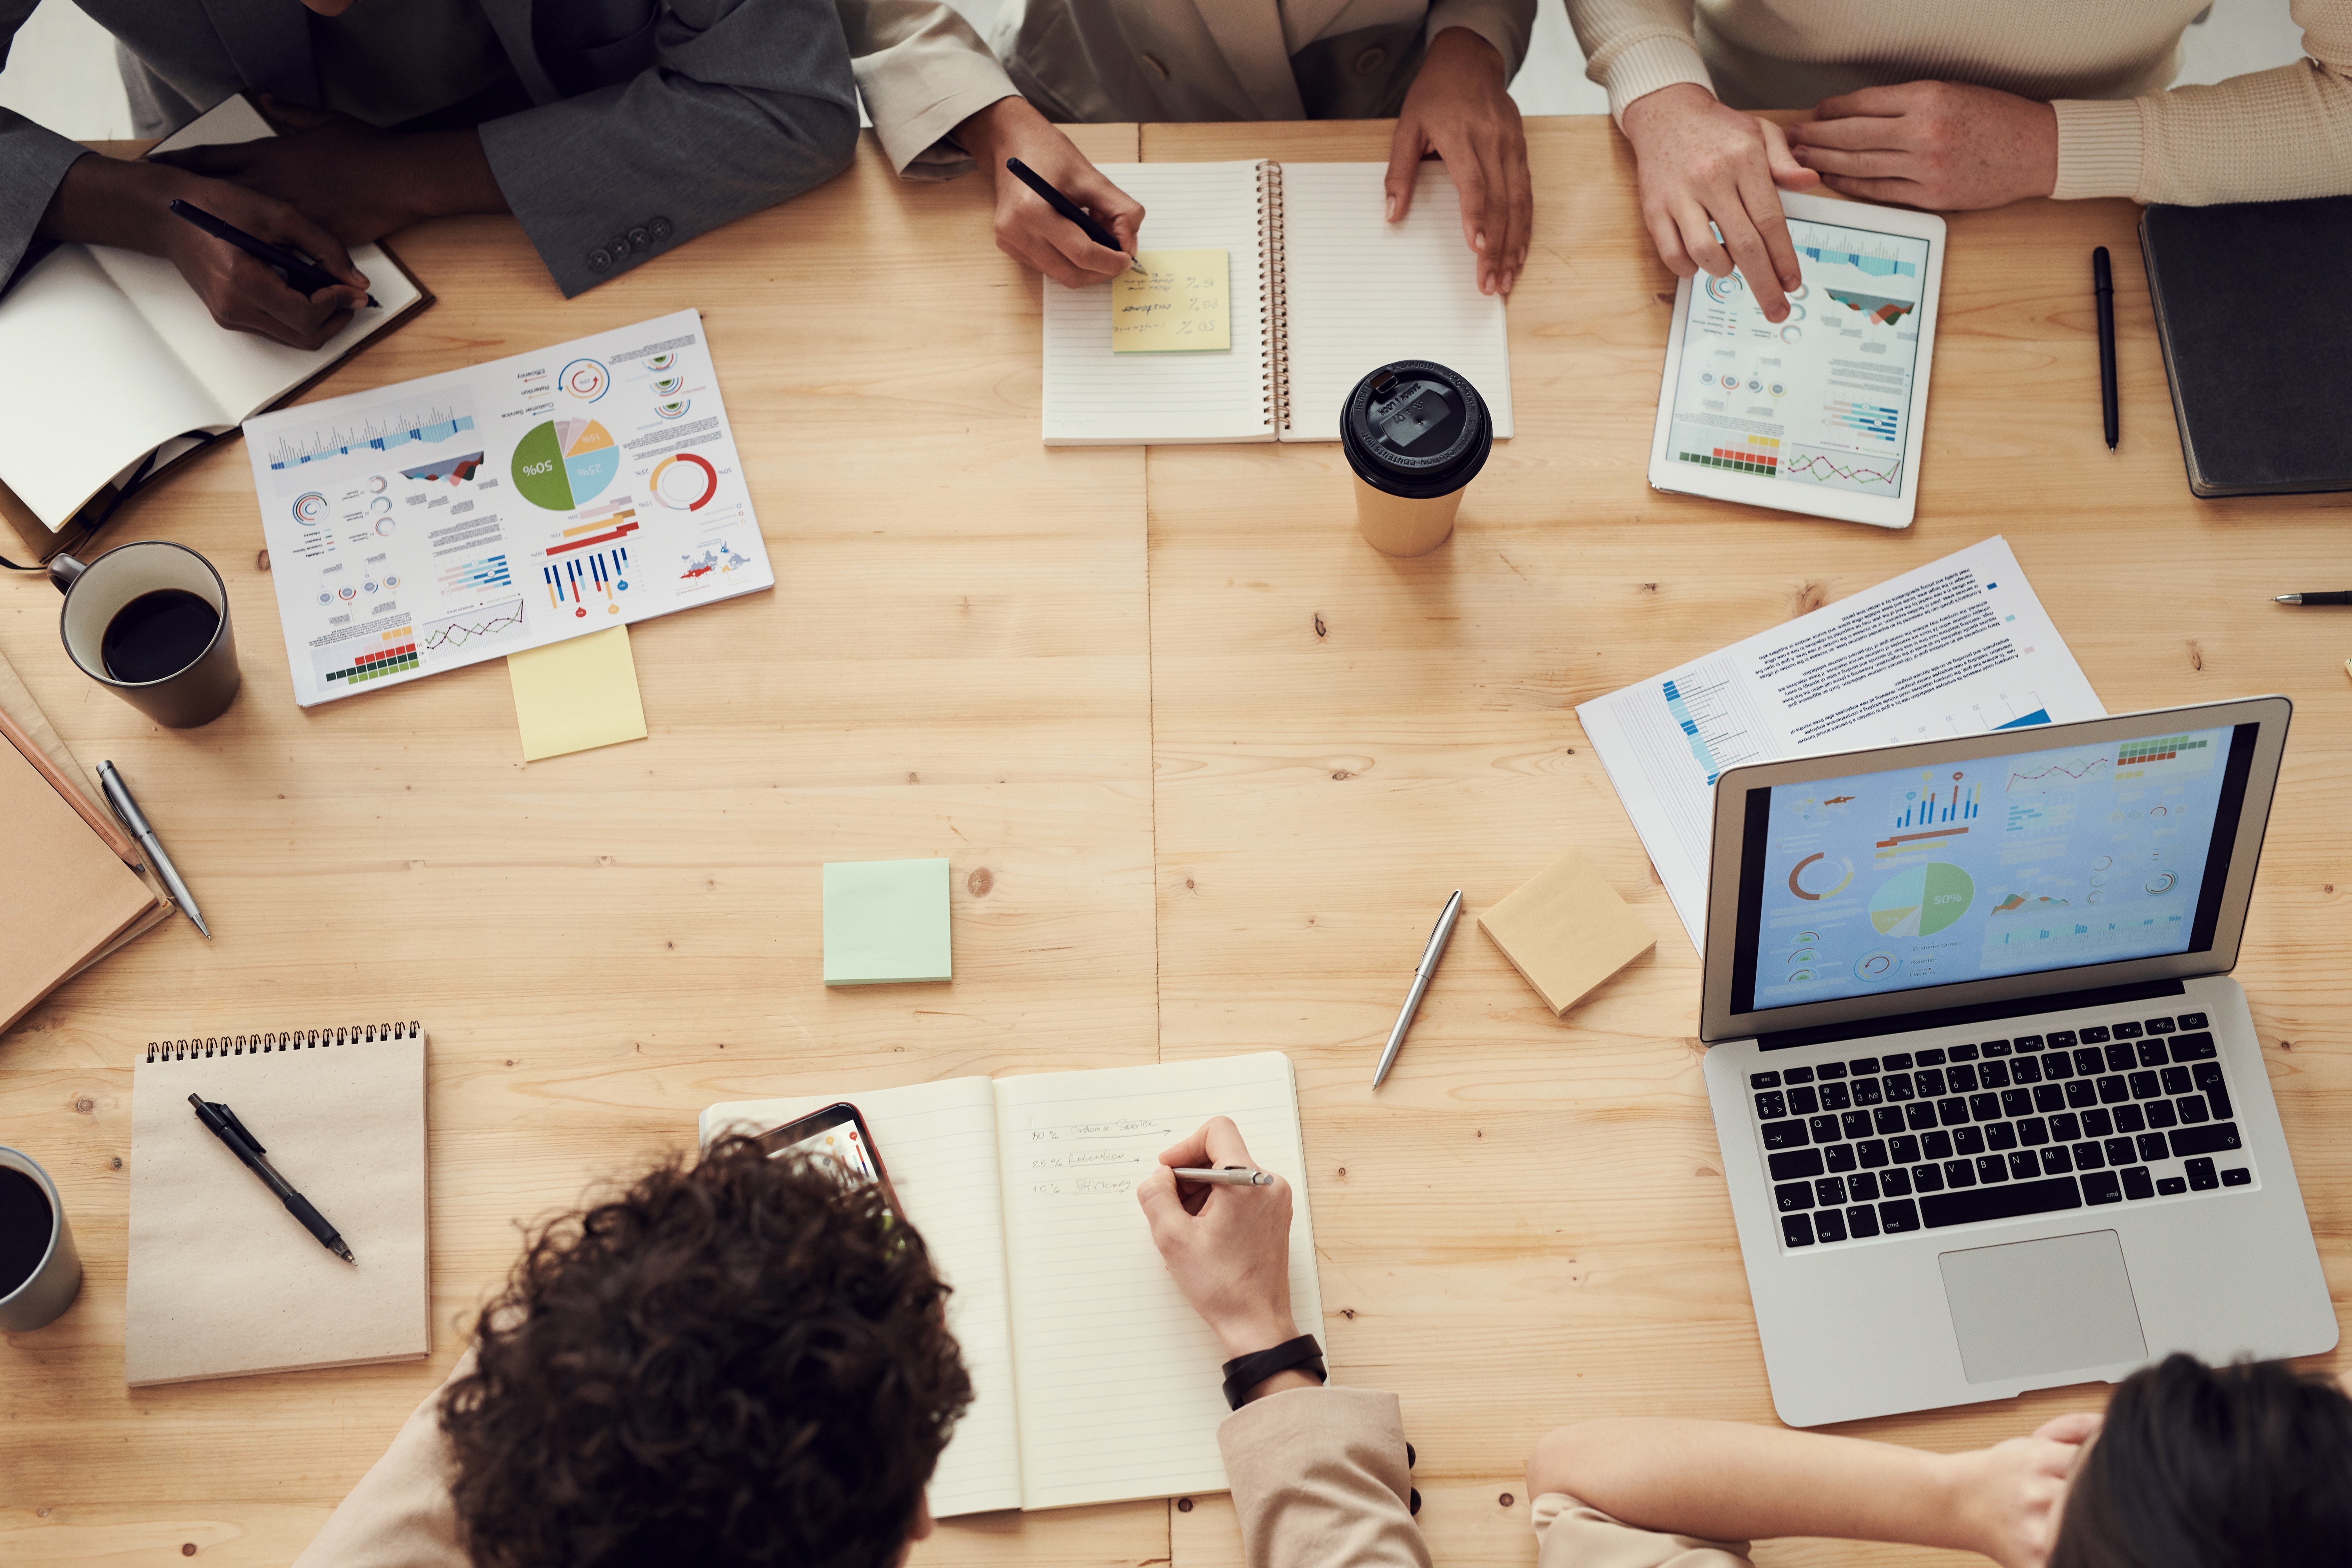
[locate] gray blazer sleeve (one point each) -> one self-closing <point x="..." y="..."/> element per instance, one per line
<point x="747" y="103"/>
<point x="32" y="160"/>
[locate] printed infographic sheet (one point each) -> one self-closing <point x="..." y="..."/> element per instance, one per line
<point x="465" y="516"/>
<point x="1960" y="647"/>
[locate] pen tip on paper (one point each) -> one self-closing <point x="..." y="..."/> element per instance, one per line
<point x="344" y="1253"/>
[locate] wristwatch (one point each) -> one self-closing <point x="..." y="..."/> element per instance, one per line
<point x="1244" y="1372"/>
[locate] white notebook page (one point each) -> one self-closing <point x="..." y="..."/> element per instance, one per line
<point x="1121" y="1386"/>
<point x="937" y="1140"/>
<point x="1363" y="292"/>
<point x="1095" y="398"/>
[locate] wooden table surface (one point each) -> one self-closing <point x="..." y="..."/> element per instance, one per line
<point x="1205" y="767"/>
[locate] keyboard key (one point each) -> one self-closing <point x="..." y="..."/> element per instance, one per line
<point x="1864" y="1066"/>
<point x="1861" y="1223"/>
<point x="2112" y="1090"/>
<point x="2137" y="1182"/>
<point x="1984" y="1107"/>
<point x="2061" y="1039"/>
<point x="2027" y="1045"/>
<point x="1963" y="1078"/>
<point x="1835" y="1097"/>
<point x="2130" y="1119"/>
<point x="2016" y="1102"/>
<point x="2098" y="1187"/>
<point x="1829" y="1070"/>
<point x="1794" y="1195"/>
<point x="1862" y="1187"/>
<point x="1855" y="1123"/>
<point x="2237" y="1176"/>
<point x="1995" y="1048"/>
<point x="1918" y="1115"/>
<point x="2089" y="1060"/>
<point x="1952" y="1111"/>
<point x="1992" y="1168"/>
<point x="1803" y="1102"/>
<point x="2065" y="1128"/>
<point x="2161" y="1026"/>
<point x="2151" y="1053"/>
<point x="1872" y="1152"/>
<point x="2026" y="1070"/>
<point x="1900" y="1061"/>
<point x="2120" y="1058"/>
<point x="1824" y="1128"/>
<point x="2192" y="1048"/>
<point x="1936" y="1145"/>
<point x="1795" y="1164"/>
<point x="1894" y="1184"/>
<point x="2034" y="1130"/>
<point x="1799" y="1075"/>
<point x="1865" y="1091"/>
<point x="1968" y="1140"/>
<point x="2097" y="1124"/>
<point x="2176" y="1080"/>
<point x="2055" y="1162"/>
<point x="2002" y="1135"/>
<point x="2006" y="1202"/>
<point x="1797" y="1229"/>
<point x="2057" y="1065"/>
<point x="2093" y="1035"/>
<point x="2082" y="1092"/>
<point x="2120" y="1151"/>
<point x="1899" y="1217"/>
<point x="1994" y="1075"/>
<point x="1964" y="1053"/>
<point x="2152" y="1146"/>
<point x="1784" y="1135"/>
<point x="1929" y="1082"/>
<point x="2161" y="1114"/>
<point x="1959" y="1173"/>
<point x="1897" y="1085"/>
<point x="2049" y="1097"/>
<point x="2022" y="1165"/>
<point x="1830" y="1192"/>
<point x="2214" y="1138"/>
<point x="2088" y="1156"/>
<point x="2203" y="1177"/>
<point x="2128" y="1030"/>
<point x="2143" y="1086"/>
<point x="1829" y="1226"/>
<point x="2209" y="1079"/>
<point x="1772" y="1105"/>
<point x="2171" y="1187"/>
<point x="2192" y="1109"/>
<point x="1928" y="1178"/>
<point x="1929" y="1058"/>
<point x="2192" y="1020"/>
<point x="1887" y="1120"/>
<point x="1904" y="1148"/>
<point x="1839" y="1156"/>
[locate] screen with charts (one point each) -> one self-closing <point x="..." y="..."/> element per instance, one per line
<point x="1823" y="398"/>
<point x="2006" y="865"/>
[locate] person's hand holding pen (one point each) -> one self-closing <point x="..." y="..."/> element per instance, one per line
<point x="1228" y="1247"/>
<point x="1027" y="229"/>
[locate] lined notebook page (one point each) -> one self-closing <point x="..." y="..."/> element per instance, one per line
<point x="1095" y="398"/>
<point x="1121" y="1384"/>
<point x="938" y="1142"/>
<point x="1363" y="292"/>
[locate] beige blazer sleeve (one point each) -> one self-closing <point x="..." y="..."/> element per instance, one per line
<point x="1571" y="1535"/>
<point x="400" y="1515"/>
<point x="1319" y="1481"/>
<point x="922" y="71"/>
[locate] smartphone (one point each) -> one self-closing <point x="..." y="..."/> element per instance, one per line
<point x="837" y="1137"/>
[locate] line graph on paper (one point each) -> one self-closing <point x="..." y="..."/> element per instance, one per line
<point x="491" y="624"/>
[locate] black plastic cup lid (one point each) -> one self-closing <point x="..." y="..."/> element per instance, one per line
<point x="1415" y="429"/>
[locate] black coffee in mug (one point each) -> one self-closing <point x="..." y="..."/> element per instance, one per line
<point x="25" y="1227"/>
<point x="158" y="635"/>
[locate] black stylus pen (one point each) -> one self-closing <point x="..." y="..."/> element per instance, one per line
<point x="1067" y="208"/>
<point x="2345" y="598"/>
<point x="302" y="276"/>
<point x="2103" y="285"/>
<point x="223" y="1124"/>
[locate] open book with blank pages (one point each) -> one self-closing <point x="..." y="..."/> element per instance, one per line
<point x="223" y="1281"/>
<point x="1324" y="288"/>
<point x="134" y="373"/>
<point x="1093" y="1381"/>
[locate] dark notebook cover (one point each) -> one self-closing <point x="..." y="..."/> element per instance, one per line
<point x="2256" y="326"/>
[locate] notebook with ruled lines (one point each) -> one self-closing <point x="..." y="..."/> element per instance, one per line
<point x="223" y="1281"/>
<point x="1323" y="287"/>
<point x="1093" y="1381"/>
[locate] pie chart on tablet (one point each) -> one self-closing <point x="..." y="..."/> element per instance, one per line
<point x="685" y="482"/>
<point x="565" y="463"/>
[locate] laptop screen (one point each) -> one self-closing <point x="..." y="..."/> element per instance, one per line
<point x="2011" y="864"/>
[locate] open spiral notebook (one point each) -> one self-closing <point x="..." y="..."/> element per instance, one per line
<point x="1324" y="287"/>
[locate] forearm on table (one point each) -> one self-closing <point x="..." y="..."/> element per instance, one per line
<point x="1728" y="1481"/>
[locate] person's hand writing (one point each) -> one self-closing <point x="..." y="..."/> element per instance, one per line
<point x="1702" y="168"/>
<point x="1027" y="229"/>
<point x="1943" y="146"/>
<point x="1460" y="108"/>
<point x="2011" y="1496"/>
<point x="1228" y="1247"/>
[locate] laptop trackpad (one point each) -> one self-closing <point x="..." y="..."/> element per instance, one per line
<point x="2037" y="1307"/>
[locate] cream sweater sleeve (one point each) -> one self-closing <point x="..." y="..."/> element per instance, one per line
<point x="1633" y="47"/>
<point x="2273" y="135"/>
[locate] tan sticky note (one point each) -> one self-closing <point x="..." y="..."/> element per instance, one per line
<point x="576" y="695"/>
<point x="1172" y="302"/>
<point x="1567" y="931"/>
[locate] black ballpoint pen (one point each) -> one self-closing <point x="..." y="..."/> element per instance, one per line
<point x="1067" y="208"/>
<point x="2103" y="285"/>
<point x="223" y="1124"/>
<point x="303" y="277"/>
<point x="2344" y="598"/>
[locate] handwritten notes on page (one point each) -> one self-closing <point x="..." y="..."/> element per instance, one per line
<point x="1174" y="302"/>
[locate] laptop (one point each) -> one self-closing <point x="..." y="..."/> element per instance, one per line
<point x="1993" y="1113"/>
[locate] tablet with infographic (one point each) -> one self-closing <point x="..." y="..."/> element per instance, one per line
<point x="1823" y="412"/>
<point x="469" y="515"/>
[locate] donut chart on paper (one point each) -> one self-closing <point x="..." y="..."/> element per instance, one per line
<point x="685" y="482"/>
<point x="565" y="463"/>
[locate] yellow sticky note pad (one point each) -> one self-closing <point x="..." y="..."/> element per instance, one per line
<point x="1177" y="302"/>
<point x="576" y="695"/>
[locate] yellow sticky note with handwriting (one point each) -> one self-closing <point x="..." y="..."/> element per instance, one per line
<point x="1177" y="302"/>
<point x="577" y="694"/>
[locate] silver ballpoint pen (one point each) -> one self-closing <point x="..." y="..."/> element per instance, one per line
<point x="118" y="797"/>
<point x="1428" y="966"/>
<point x="1223" y="1176"/>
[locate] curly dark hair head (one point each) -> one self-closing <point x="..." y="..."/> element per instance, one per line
<point x="741" y="1362"/>
<point x="2213" y="1466"/>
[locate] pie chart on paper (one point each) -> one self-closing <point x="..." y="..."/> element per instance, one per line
<point x="565" y="463"/>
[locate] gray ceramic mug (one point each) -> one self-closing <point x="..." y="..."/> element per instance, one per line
<point x="149" y="620"/>
<point x="44" y="1293"/>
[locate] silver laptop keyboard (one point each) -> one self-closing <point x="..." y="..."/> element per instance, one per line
<point x="2126" y="1112"/>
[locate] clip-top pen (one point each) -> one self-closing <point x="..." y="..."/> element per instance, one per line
<point x="1224" y="1176"/>
<point x="1422" y="972"/>
<point x="223" y="1124"/>
<point x="118" y="801"/>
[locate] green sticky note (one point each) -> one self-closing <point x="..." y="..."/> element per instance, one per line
<point x="885" y="921"/>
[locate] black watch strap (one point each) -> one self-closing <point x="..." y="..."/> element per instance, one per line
<point x="1244" y="1372"/>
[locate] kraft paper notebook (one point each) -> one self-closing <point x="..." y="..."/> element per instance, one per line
<point x="1092" y="1380"/>
<point x="223" y="1281"/>
<point x="1323" y="289"/>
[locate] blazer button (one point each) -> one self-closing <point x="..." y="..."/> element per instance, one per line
<point x="1371" y="60"/>
<point x="638" y="239"/>
<point x="659" y="228"/>
<point x="600" y="261"/>
<point x="619" y="244"/>
<point x="1157" y="69"/>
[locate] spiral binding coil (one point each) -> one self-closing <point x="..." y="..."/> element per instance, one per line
<point x="294" y="1040"/>
<point x="1274" y="296"/>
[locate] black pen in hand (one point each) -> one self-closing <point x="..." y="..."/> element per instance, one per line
<point x="1069" y="209"/>
<point x="303" y="277"/>
<point x="223" y="1124"/>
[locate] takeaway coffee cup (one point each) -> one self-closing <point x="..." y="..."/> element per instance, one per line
<point x="1416" y="434"/>
<point x="39" y="1269"/>
<point x="151" y="620"/>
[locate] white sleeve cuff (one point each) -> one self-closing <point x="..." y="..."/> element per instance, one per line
<point x="914" y="118"/>
<point x="1644" y="64"/>
<point x="2099" y="145"/>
